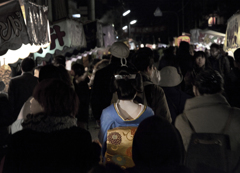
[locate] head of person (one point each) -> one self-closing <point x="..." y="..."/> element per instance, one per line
<point x="127" y="82"/>
<point x="184" y="47"/>
<point x="59" y="60"/>
<point x="54" y="97"/>
<point x="214" y="50"/>
<point x="208" y="82"/>
<point x="119" y="51"/>
<point x="86" y="60"/>
<point x="2" y="86"/>
<point x="237" y="58"/>
<point x="144" y="60"/>
<point x="157" y="143"/>
<point x="27" y="65"/>
<point x="200" y="59"/>
<point x="77" y="70"/>
<point x="57" y="72"/>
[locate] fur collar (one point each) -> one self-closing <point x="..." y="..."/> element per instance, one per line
<point x="42" y="123"/>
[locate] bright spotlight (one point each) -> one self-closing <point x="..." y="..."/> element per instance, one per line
<point x="76" y="15"/>
<point x="133" y="22"/>
<point x="142" y="45"/>
<point x="125" y="27"/>
<point x="126" y="12"/>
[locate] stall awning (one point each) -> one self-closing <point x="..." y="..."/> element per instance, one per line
<point x="232" y="41"/>
<point x="206" y="37"/>
<point x="66" y="36"/>
<point x="24" y="28"/>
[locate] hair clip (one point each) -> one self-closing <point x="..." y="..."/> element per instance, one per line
<point x="123" y="64"/>
<point x="130" y="76"/>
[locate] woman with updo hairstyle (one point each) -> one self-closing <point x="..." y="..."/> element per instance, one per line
<point x="50" y="140"/>
<point x="127" y="82"/>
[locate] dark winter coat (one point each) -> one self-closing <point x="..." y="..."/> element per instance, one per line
<point x="49" y="144"/>
<point x="156" y="98"/>
<point x="176" y="100"/>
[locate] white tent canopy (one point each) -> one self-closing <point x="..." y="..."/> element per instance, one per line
<point x="25" y="30"/>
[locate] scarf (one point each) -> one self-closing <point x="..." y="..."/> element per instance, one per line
<point x="42" y="123"/>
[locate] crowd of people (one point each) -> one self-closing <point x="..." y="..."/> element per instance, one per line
<point x="147" y="108"/>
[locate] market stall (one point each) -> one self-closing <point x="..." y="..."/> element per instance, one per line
<point x="24" y="29"/>
<point x="232" y="41"/>
<point x="67" y="38"/>
<point x="204" y="38"/>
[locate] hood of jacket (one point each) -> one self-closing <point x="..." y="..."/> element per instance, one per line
<point x="205" y="101"/>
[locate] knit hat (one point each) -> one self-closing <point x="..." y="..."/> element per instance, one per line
<point x="119" y="50"/>
<point x="157" y="143"/>
<point x="170" y="77"/>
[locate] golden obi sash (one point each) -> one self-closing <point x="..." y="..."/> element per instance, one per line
<point x="119" y="146"/>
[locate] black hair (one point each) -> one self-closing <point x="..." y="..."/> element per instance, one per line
<point x="56" y="97"/>
<point x="143" y="59"/>
<point x="115" y="60"/>
<point x="50" y="71"/>
<point x="60" y="60"/>
<point x="2" y="85"/>
<point x="201" y="54"/>
<point x="184" y="46"/>
<point x="198" y="54"/>
<point x="27" y="64"/>
<point x="237" y="55"/>
<point x="209" y="81"/>
<point x="127" y="88"/>
<point x="149" y="149"/>
<point x="215" y="45"/>
<point x="78" y="69"/>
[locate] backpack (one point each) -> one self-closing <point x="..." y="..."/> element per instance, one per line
<point x="209" y="152"/>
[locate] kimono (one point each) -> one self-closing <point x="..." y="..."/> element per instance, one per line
<point x="111" y="118"/>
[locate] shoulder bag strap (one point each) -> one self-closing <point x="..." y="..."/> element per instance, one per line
<point x="190" y="124"/>
<point x="231" y="111"/>
<point x="145" y="83"/>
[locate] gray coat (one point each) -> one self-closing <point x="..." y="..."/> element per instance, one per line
<point x="208" y="114"/>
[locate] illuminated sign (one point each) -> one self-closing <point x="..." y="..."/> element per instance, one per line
<point x="183" y="38"/>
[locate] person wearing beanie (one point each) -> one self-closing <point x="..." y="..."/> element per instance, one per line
<point x="100" y="95"/>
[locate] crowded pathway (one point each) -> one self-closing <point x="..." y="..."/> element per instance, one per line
<point x="124" y="113"/>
